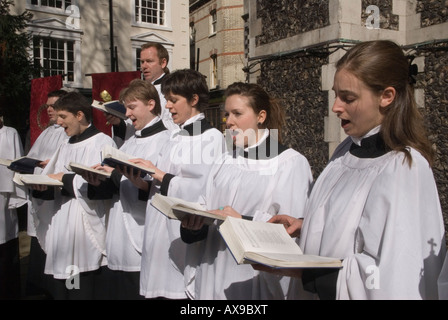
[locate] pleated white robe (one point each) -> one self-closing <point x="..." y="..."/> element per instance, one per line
<point x="259" y="189"/>
<point x="11" y="195"/>
<point x="127" y="217"/>
<point x="43" y="149"/>
<point x="189" y="158"/>
<point x="72" y="231"/>
<point x="384" y="219"/>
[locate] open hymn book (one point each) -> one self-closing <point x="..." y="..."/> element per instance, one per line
<point x="258" y="242"/>
<point x="36" y="179"/>
<point x="21" y="165"/>
<point x="175" y="208"/>
<point x="115" y="108"/>
<point x="116" y="158"/>
<point x="80" y="169"/>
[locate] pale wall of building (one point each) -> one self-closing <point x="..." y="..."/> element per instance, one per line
<point x="88" y="24"/>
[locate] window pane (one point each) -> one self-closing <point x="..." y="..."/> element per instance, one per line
<point x="60" y="4"/>
<point x="58" y="56"/>
<point x="150" y="11"/>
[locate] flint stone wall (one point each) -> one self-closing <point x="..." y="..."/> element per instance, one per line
<point x="297" y="80"/>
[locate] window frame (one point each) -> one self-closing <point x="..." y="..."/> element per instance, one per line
<point x="43" y="59"/>
<point x="213" y="20"/>
<point x="56" y="29"/>
<point x="47" y="9"/>
<point x="167" y="16"/>
<point x="214" y="81"/>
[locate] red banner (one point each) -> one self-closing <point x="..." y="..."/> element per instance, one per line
<point x="40" y="88"/>
<point x="113" y="83"/>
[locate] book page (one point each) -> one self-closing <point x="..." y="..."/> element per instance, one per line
<point x="38" y="179"/>
<point x="113" y="157"/>
<point x="258" y="236"/>
<point x="5" y="162"/>
<point x="111" y="152"/>
<point x="268" y="244"/>
<point x="165" y="204"/>
<point x="80" y="169"/>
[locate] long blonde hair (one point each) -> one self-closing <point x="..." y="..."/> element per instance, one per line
<point x="381" y="64"/>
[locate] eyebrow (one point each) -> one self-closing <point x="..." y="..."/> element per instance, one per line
<point x="346" y="92"/>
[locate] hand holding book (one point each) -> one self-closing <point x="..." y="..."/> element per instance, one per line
<point x="293" y="225"/>
<point x="269" y="244"/>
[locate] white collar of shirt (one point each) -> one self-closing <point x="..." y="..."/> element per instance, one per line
<point x="370" y="133"/>
<point x="260" y="141"/>
<point x="198" y="117"/>
<point x="138" y="133"/>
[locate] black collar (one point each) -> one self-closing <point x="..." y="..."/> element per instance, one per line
<point x="88" y="133"/>
<point x="152" y="130"/>
<point x="159" y="81"/>
<point x="268" y="149"/>
<point x="196" y="128"/>
<point x="371" y="147"/>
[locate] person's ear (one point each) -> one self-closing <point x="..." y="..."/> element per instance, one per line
<point x="387" y="97"/>
<point x="194" y="100"/>
<point x="163" y="63"/>
<point x="261" y="118"/>
<point x="80" y="116"/>
<point x="151" y="105"/>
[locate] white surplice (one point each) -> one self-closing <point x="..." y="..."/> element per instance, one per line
<point x="189" y="158"/>
<point x="47" y="143"/>
<point x="165" y="113"/>
<point x="384" y="220"/>
<point x="11" y="195"/>
<point x="43" y="149"/>
<point x="72" y="231"/>
<point x="259" y="189"/>
<point x="127" y="217"/>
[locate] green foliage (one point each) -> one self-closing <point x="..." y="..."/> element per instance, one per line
<point x="16" y="66"/>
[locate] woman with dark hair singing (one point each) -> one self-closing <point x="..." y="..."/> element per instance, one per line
<point x="376" y="204"/>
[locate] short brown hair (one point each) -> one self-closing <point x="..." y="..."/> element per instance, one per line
<point x="74" y="102"/>
<point x="162" y="53"/>
<point x="141" y="90"/>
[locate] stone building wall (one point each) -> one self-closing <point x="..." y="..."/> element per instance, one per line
<point x="296" y="82"/>
<point x="299" y="79"/>
<point x="434" y="80"/>
<point x="290" y="18"/>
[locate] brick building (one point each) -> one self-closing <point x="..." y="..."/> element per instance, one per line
<point x="217" y="48"/>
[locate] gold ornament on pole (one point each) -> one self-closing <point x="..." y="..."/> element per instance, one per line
<point x="106" y="96"/>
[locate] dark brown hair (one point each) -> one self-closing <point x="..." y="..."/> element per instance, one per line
<point x="74" y="102"/>
<point x="381" y="64"/>
<point x="187" y="83"/>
